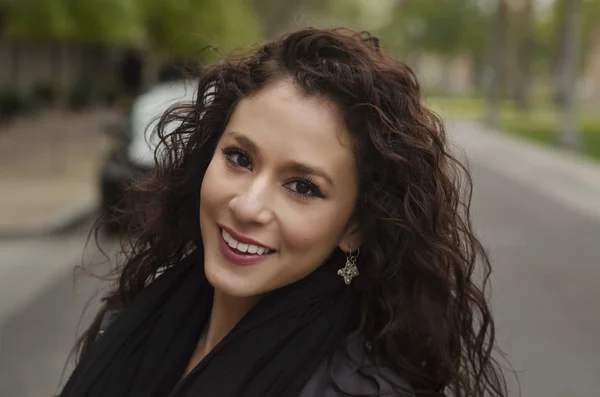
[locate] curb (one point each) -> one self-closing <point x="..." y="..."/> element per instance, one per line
<point x="564" y="176"/>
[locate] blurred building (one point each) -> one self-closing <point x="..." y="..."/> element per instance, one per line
<point x="453" y="76"/>
<point x="25" y="65"/>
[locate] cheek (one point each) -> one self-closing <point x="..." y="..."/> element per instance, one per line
<point x="209" y="190"/>
<point x="313" y="228"/>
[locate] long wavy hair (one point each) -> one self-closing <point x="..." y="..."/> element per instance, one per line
<point x="419" y="302"/>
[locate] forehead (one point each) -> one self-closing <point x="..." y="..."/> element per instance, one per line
<point x="285" y="122"/>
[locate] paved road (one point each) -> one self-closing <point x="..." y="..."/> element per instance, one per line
<point x="545" y="286"/>
<point x="43" y="300"/>
<point x="545" y="295"/>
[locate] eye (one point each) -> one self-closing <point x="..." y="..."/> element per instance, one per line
<point x="237" y="158"/>
<point x="304" y="188"/>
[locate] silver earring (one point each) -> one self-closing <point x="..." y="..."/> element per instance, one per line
<point x="349" y="271"/>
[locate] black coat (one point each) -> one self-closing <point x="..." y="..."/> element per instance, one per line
<point x="352" y="373"/>
<point x="347" y="370"/>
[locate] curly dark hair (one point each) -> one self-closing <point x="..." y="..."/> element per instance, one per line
<point x="417" y="299"/>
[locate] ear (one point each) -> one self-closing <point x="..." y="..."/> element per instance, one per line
<point x="351" y="239"/>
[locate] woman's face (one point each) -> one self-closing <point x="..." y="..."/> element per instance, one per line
<point x="278" y="194"/>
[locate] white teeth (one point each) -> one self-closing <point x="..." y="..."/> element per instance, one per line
<point x="229" y="240"/>
<point x="233" y="244"/>
<point x="250" y="248"/>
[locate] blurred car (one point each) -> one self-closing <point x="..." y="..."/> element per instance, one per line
<point x="133" y="156"/>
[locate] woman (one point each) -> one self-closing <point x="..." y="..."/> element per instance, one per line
<point x="303" y="235"/>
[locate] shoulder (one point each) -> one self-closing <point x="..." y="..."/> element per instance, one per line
<point x="108" y="318"/>
<point x="348" y="370"/>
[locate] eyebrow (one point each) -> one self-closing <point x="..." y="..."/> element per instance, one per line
<point x="249" y="145"/>
<point x="244" y="141"/>
<point x="304" y="169"/>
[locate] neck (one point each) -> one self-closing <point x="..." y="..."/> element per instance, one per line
<point x="226" y="312"/>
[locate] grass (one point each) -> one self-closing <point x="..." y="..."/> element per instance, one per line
<point x="540" y="124"/>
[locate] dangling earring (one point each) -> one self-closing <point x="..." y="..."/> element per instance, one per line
<point x="349" y="271"/>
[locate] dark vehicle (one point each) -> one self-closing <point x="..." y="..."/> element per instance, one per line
<point x="133" y="155"/>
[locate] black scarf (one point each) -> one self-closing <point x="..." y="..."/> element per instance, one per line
<point x="272" y="351"/>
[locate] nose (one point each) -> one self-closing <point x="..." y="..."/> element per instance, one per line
<point x="251" y="205"/>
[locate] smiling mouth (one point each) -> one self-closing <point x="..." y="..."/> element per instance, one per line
<point x="243" y="248"/>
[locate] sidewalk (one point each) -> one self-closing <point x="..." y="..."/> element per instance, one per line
<point x="49" y="167"/>
<point x="564" y="176"/>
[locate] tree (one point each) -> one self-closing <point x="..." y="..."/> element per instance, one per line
<point x="568" y="134"/>
<point x="98" y="27"/>
<point x="37" y="21"/>
<point x="182" y="28"/>
<point x="445" y="28"/>
<point x="105" y="22"/>
<point x="436" y="26"/>
<point x="588" y="19"/>
<point x="186" y="30"/>
<point x="89" y="23"/>
<point x="494" y="72"/>
<point x="525" y="52"/>
<point x="277" y="15"/>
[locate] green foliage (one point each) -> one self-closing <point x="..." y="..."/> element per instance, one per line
<point x="182" y="28"/>
<point x="39" y="20"/>
<point x="277" y="16"/>
<point x="545" y="32"/>
<point x="443" y="27"/>
<point x="544" y="131"/>
<point x="173" y="27"/>
<point x="547" y="28"/>
<point x="239" y="26"/>
<point x="590" y="23"/>
<point x="108" y="22"/>
<point x="540" y="124"/>
<point x="349" y="11"/>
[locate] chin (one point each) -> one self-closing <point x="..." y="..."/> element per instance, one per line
<point x="231" y="283"/>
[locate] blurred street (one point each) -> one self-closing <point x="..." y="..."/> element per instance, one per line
<point x="544" y="286"/>
<point x="517" y="84"/>
<point x="43" y="299"/>
<point x="49" y="169"/>
<point x="546" y="269"/>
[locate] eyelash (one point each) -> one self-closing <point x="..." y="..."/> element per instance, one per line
<point x="311" y="184"/>
<point x="228" y="152"/>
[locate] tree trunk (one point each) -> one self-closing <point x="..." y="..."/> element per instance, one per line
<point x="58" y="71"/>
<point x="559" y="53"/>
<point x="523" y="83"/>
<point x="447" y="72"/>
<point x="568" y="135"/>
<point x="15" y="57"/>
<point x="152" y="64"/>
<point x="494" y="71"/>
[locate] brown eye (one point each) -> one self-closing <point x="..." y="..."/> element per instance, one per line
<point x="303" y="188"/>
<point x="237" y="158"/>
<point x="242" y="160"/>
